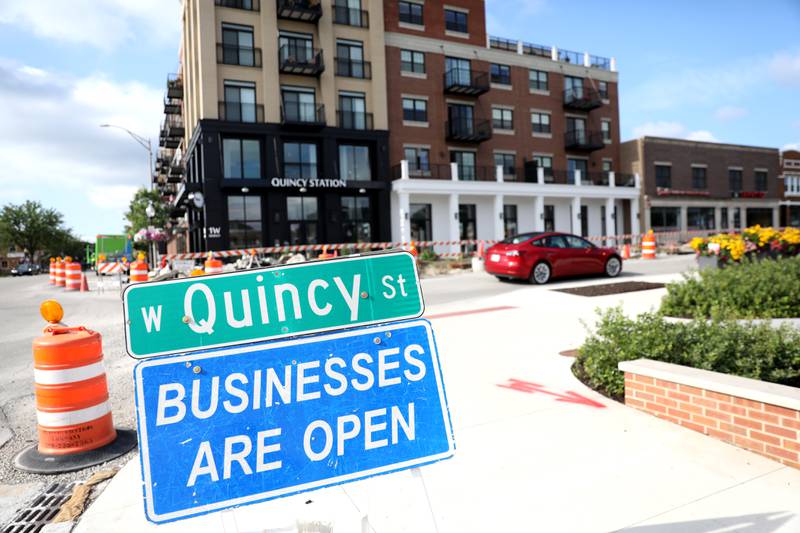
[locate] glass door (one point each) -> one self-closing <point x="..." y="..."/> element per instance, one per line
<point x="457" y="71"/>
<point x="466" y="165"/>
<point x="581" y="165"/>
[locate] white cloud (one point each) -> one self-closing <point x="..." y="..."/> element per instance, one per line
<point x="701" y="135"/>
<point x="117" y="197"/>
<point x="727" y="113"/>
<point x="791" y="146"/>
<point x="103" y="24"/>
<point x="785" y="69"/>
<point x="674" y="130"/>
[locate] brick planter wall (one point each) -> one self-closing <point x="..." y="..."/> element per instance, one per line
<point x="754" y="415"/>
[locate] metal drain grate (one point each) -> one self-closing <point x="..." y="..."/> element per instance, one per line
<point x="40" y="511"/>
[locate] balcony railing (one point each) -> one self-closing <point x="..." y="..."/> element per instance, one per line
<point x="499" y="43"/>
<point x="172" y="106"/>
<point x="582" y="98"/>
<point x="594" y="178"/>
<point x="174" y="126"/>
<point x="350" y="16"/>
<point x="354" y="120"/>
<point x="303" y="114"/>
<point x="567" y="56"/>
<point x="241" y="112"/>
<point x="229" y="54"/>
<point x="539" y="50"/>
<point x="466" y="82"/>
<point x="463" y="130"/>
<point x="174" y="86"/>
<point x="583" y="140"/>
<point x="247" y="5"/>
<point x="297" y="58"/>
<point x="476" y="173"/>
<point x="353" y="68"/>
<point x="303" y="10"/>
<point x="624" y="180"/>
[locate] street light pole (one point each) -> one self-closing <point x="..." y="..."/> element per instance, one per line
<point x="145" y="143"/>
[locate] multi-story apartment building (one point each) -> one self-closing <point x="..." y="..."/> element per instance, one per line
<point x="692" y="185"/>
<point x="790" y="186"/>
<point x="490" y="136"/>
<point x="278" y="115"/>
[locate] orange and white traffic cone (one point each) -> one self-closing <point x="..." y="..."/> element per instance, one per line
<point x="84" y="283"/>
<point x="413" y="249"/>
<point x="60" y="280"/>
<point x="626" y="251"/>
<point x="480" y="249"/>
<point x="139" y="270"/>
<point x="649" y="245"/>
<point x="72" y="275"/>
<point x="213" y="266"/>
<point x="52" y="271"/>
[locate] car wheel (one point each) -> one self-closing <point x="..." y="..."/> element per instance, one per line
<point x="540" y="273"/>
<point x="613" y="267"/>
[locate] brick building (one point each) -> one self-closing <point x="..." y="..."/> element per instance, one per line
<point x="691" y="185"/>
<point x="790" y="187"/>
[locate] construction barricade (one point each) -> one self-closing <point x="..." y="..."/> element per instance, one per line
<point x="649" y="245"/>
<point x="52" y="271"/>
<point x="72" y="275"/>
<point x="213" y="265"/>
<point x="60" y="279"/>
<point x="139" y="270"/>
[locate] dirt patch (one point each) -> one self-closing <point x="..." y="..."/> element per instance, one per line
<point x="612" y="288"/>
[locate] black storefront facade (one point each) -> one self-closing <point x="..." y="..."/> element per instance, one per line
<point x="309" y="186"/>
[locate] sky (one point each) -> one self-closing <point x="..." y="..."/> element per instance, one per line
<point x="717" y="70"/>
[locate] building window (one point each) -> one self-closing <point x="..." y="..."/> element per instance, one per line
<point x="302" y="214"/>
<point x="412" y="61"/>
<point x="502" y="119"/>
<point x="296" y="47"/>
<point x="299" y="105"/>
<point x="349" y="12"/>
<point x="457" y="71"/>
<point x="237" y="45"/>
<point x="353" y="111"/>
<point x="467" y="225"/>
<point x="664" y="218"/>
<point x="350" y="60"/>
<point x="549" y="218"/>
<point x="573" y="88"/>
<point x="241" y="158"/>
<point x="723" y="221"/>
<point x="455" y="21"/>
<point x="545" y="162"/>
<point x="735" y="180"/>
<point x="501" y="74"/>
<point x="466" y="165"/>
<point x="356" y="219"/>
<point x="508" y="162"/>
<point x="411" y="13"/>
<point x="664" y="176"/>
<point x="577" y="165"/>
<point x="602" y="89"/>
<point x="537" y="80"/>
<point x="418" y="159"/>
<point x="415" y="110"/>
<point x="605" y="128"/>
<point x="300" y="160"/>
<point x="608" y="166"/>
<point x="421" y="222"/>
<point x="699" y="180"/>
<point x="240" y="102"/>
<point x="761" y="181"/>
<point x="244" y="221"/>
<point x="510" y="220"/>
<point x="540" y="122"/>
<point x="700" y="217"/>
<point x="354" y="163"/>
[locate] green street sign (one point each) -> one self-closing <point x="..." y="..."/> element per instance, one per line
<point x="191" y="314"/>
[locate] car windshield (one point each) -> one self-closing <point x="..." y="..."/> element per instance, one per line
<point x="522" y="237"/>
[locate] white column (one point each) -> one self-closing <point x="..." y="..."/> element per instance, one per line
<point x="717" y="218"/>
<point x="498" y="173"/>
<point x="538" y="213"/>
<point x="554" y="53"/>
<point x="586" y="61"/>
<point x="635" y="228"/>
<point x="454" y="171"/>
<point x="612" y="179"/>
<point x="454" y="234"/>
<point x="776" y="217"/>
<point x="577" y="177"/>
<point x="684" y="222"/>
<point x="743" y="219"/>
<point x="520" y="50"/>
<point x="404" y="169"/>
<point x="730" y="218"/>
<point x="637" y="181"/>
<point x="613" y="64"/>
<point x="576" y="215"/>
<point x="499" y="226"/>
<point x="404" y="212"/>
<point x="610" y="205"/>
<point x="540" y="175"/>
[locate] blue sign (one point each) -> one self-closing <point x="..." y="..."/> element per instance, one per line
<point x="240" y="425"/>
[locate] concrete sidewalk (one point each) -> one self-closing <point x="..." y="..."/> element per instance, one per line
<point x="525" y="461"/>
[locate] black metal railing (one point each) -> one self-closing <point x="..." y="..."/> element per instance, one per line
<point x="350" y="16"/>
<point x="172" y="106"/>
<point x="245" y="56"/>
<point x="566" y="56"/>
<point x="582" y="98"/>
<point x="303" y="113"/>
<point x="247" y="5"/>
<point x="353" y="68"/>
<point x="583" y="140"/>
<point x="466" y="82"/>
<point x="466" y="130"/>
<point x="298" y="58"/>
<point x="174" y="86"/>
<point x="354" y="120"/>
<point x="499" y="43"/>
<point x="624" y="180"/>
<point x="241" y="112"/>
<point x="538" y="50"/>
<point x="431" y="171"/>
<point x="476" y="173"/>
<point x="303" y="10"/>
<point x="600" y="62"/>
<point x="594" y="178"/>
<point x="529" y="173"/>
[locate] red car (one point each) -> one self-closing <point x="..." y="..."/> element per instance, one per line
<point x="540" y="256"/>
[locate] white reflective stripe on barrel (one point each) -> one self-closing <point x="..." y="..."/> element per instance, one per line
<point x="70" y="418"/>
<point x="68" y="375"/>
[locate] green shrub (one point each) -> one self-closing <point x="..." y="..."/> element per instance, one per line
<point x="752" y="289"/>
<point x="748" y="350"/>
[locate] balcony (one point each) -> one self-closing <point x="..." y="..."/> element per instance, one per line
<point x="174" y="86"/>
<point x="530" y="173"/>
<point x="582" y="99"/>
<point x="241" y="112"/>
<point x="300" y="114"/>
<point x="300" y="59"/>
<point x="595" y="178"/>
<point x="468" y="130"/>
<point x="354" y="120"/>
<point x="175" y="173"/>
<point x="349" y="16"/>
<point x="244" y="56"/>
<point x="302" y="10"/>
<point x="584" y="141"/>
<point x="466" y="82"/>
<point x="247" y="5"/>
<point x="353" y="68"/>
<point x="624" y="180"/>
<point x="172" y="107"/>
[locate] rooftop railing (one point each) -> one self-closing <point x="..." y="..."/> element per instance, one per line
<point x="540" y="50"/>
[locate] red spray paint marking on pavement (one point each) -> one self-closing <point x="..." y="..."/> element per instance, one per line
<point x="471" y="312"/>
<point x="568" y="396"/>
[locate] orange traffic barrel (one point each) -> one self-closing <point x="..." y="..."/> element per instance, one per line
<point x="649" y="245"/>
<point x="139" y="270"/>
<point x="52" y="271"/>
<point x="72" y="273"/>
<point x="325" y="254"/>
<point x="413" y="249"/>
<point x="60" y="279"/>
<point x="212" y="265"/>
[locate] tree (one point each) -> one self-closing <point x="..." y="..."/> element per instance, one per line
<point x="32" y="228"/>
<point x="137" y="212"/>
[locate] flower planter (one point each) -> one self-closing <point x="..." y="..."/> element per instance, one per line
<point x="707" y="261"/>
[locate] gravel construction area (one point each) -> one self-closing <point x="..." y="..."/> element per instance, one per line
<point x="607" y="289"/>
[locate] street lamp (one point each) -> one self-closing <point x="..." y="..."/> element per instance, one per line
<point x="145" y="143"/>
<point x="150" y="211"/>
